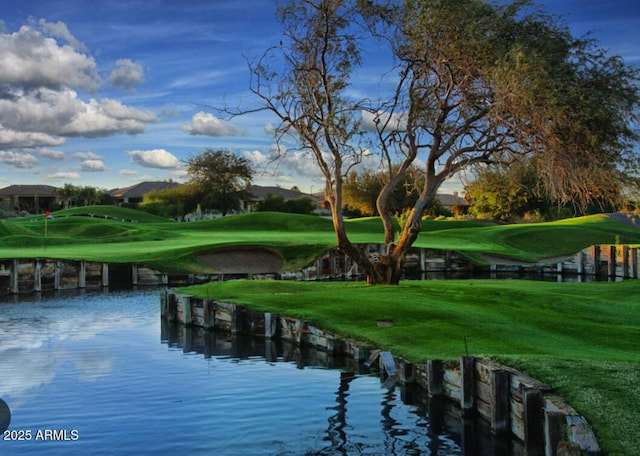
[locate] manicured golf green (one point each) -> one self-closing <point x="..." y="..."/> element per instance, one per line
<point x="583" y="339"/>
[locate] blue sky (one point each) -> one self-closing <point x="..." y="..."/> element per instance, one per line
<point x="115" y="92"/>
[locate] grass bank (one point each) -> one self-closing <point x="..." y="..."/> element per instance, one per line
<point x="583" y="339"/>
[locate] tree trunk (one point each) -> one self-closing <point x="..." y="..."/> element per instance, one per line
<point x="387" y="270"/>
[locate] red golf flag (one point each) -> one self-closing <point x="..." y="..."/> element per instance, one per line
<point x="48" y="214"/>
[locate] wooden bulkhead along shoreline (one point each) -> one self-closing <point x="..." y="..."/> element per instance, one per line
<point x="44" y="274"/>
<point x="511" y="403"/>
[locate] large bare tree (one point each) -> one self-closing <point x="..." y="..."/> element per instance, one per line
<point x="468" y="83"/>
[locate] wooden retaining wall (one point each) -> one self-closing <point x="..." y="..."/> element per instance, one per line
<point x="36" y="275"/>
<point x="601" y="261"/>
<point x="509" y="401"/>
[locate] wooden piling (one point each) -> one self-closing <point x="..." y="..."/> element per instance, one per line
<point x="270" y="325"/>
<point x="406" y="371"/>
<point x="164" y="305"/>
<point x="37" y="276"/>
<point x="435" y="377"/>
<point x="209" y="314"/>
<point x="555" y="424"/>
<point x="580" y="258"/>
<point x="105" y="274"/>
<point x="14" y="282"/>
<point x="613" y="259"/>
<point x="533" y="422"/>
<point x="360" y="354"/>
<point x="299" y="332"/>
<point x="467" y="383"/>
<point x="500" y="401"/>
<point x="57" y="275"/>
<point x="625" y="262"/>
<point x="187" y="311"/>
<point x="237" y="319"/>
<point x="82" y="274"/>
<point x="172" y="307"/>
<point x="596" y="259"/>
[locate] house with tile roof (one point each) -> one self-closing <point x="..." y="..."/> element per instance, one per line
<point x="134" y="194"/>
<point x="30" y="198"/>
<point x="257" y="193"/>
<point x="453" y="203"/>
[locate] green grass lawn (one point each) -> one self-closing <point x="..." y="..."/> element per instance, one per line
<point x="581" y="338"/>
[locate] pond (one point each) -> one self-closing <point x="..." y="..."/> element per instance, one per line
<point x="99" y="373"/>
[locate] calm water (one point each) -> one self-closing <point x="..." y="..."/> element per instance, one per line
<point x="101" y="370"/>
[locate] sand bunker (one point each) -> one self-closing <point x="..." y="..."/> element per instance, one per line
<point x="242" y="260"/>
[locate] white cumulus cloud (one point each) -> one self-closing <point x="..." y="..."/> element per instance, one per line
<point x="64" y="175"/>
<point x="203" y="123"/>
<point x="41" y="66"/>
<point x="279" y="163"/>
<point x="10" y="139"/>
<point x="29" y="58"/>
<point x="18" y="160"/>
<point x="107" y="117"/>
<point x="126" y="74"/>
<point x="92" y="165"/>
<point x="155" y="158"/>
<point x="255" y="157"/>
<point x="51" y="154"/>
<point x="62" y="113"/>
<point x="87" y="156"/>
<point x="59" y="30"/>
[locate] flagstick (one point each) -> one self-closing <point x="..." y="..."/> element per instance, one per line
<point x="45" y="232"/>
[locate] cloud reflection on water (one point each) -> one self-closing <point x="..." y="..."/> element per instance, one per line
<point x="38" y="337"/>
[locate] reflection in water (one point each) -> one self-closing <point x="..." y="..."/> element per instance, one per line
<point x="337" y="422"/>
<point x="408" y="423"/>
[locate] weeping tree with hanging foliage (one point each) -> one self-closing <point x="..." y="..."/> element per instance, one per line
<point x="468" y="83"/>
